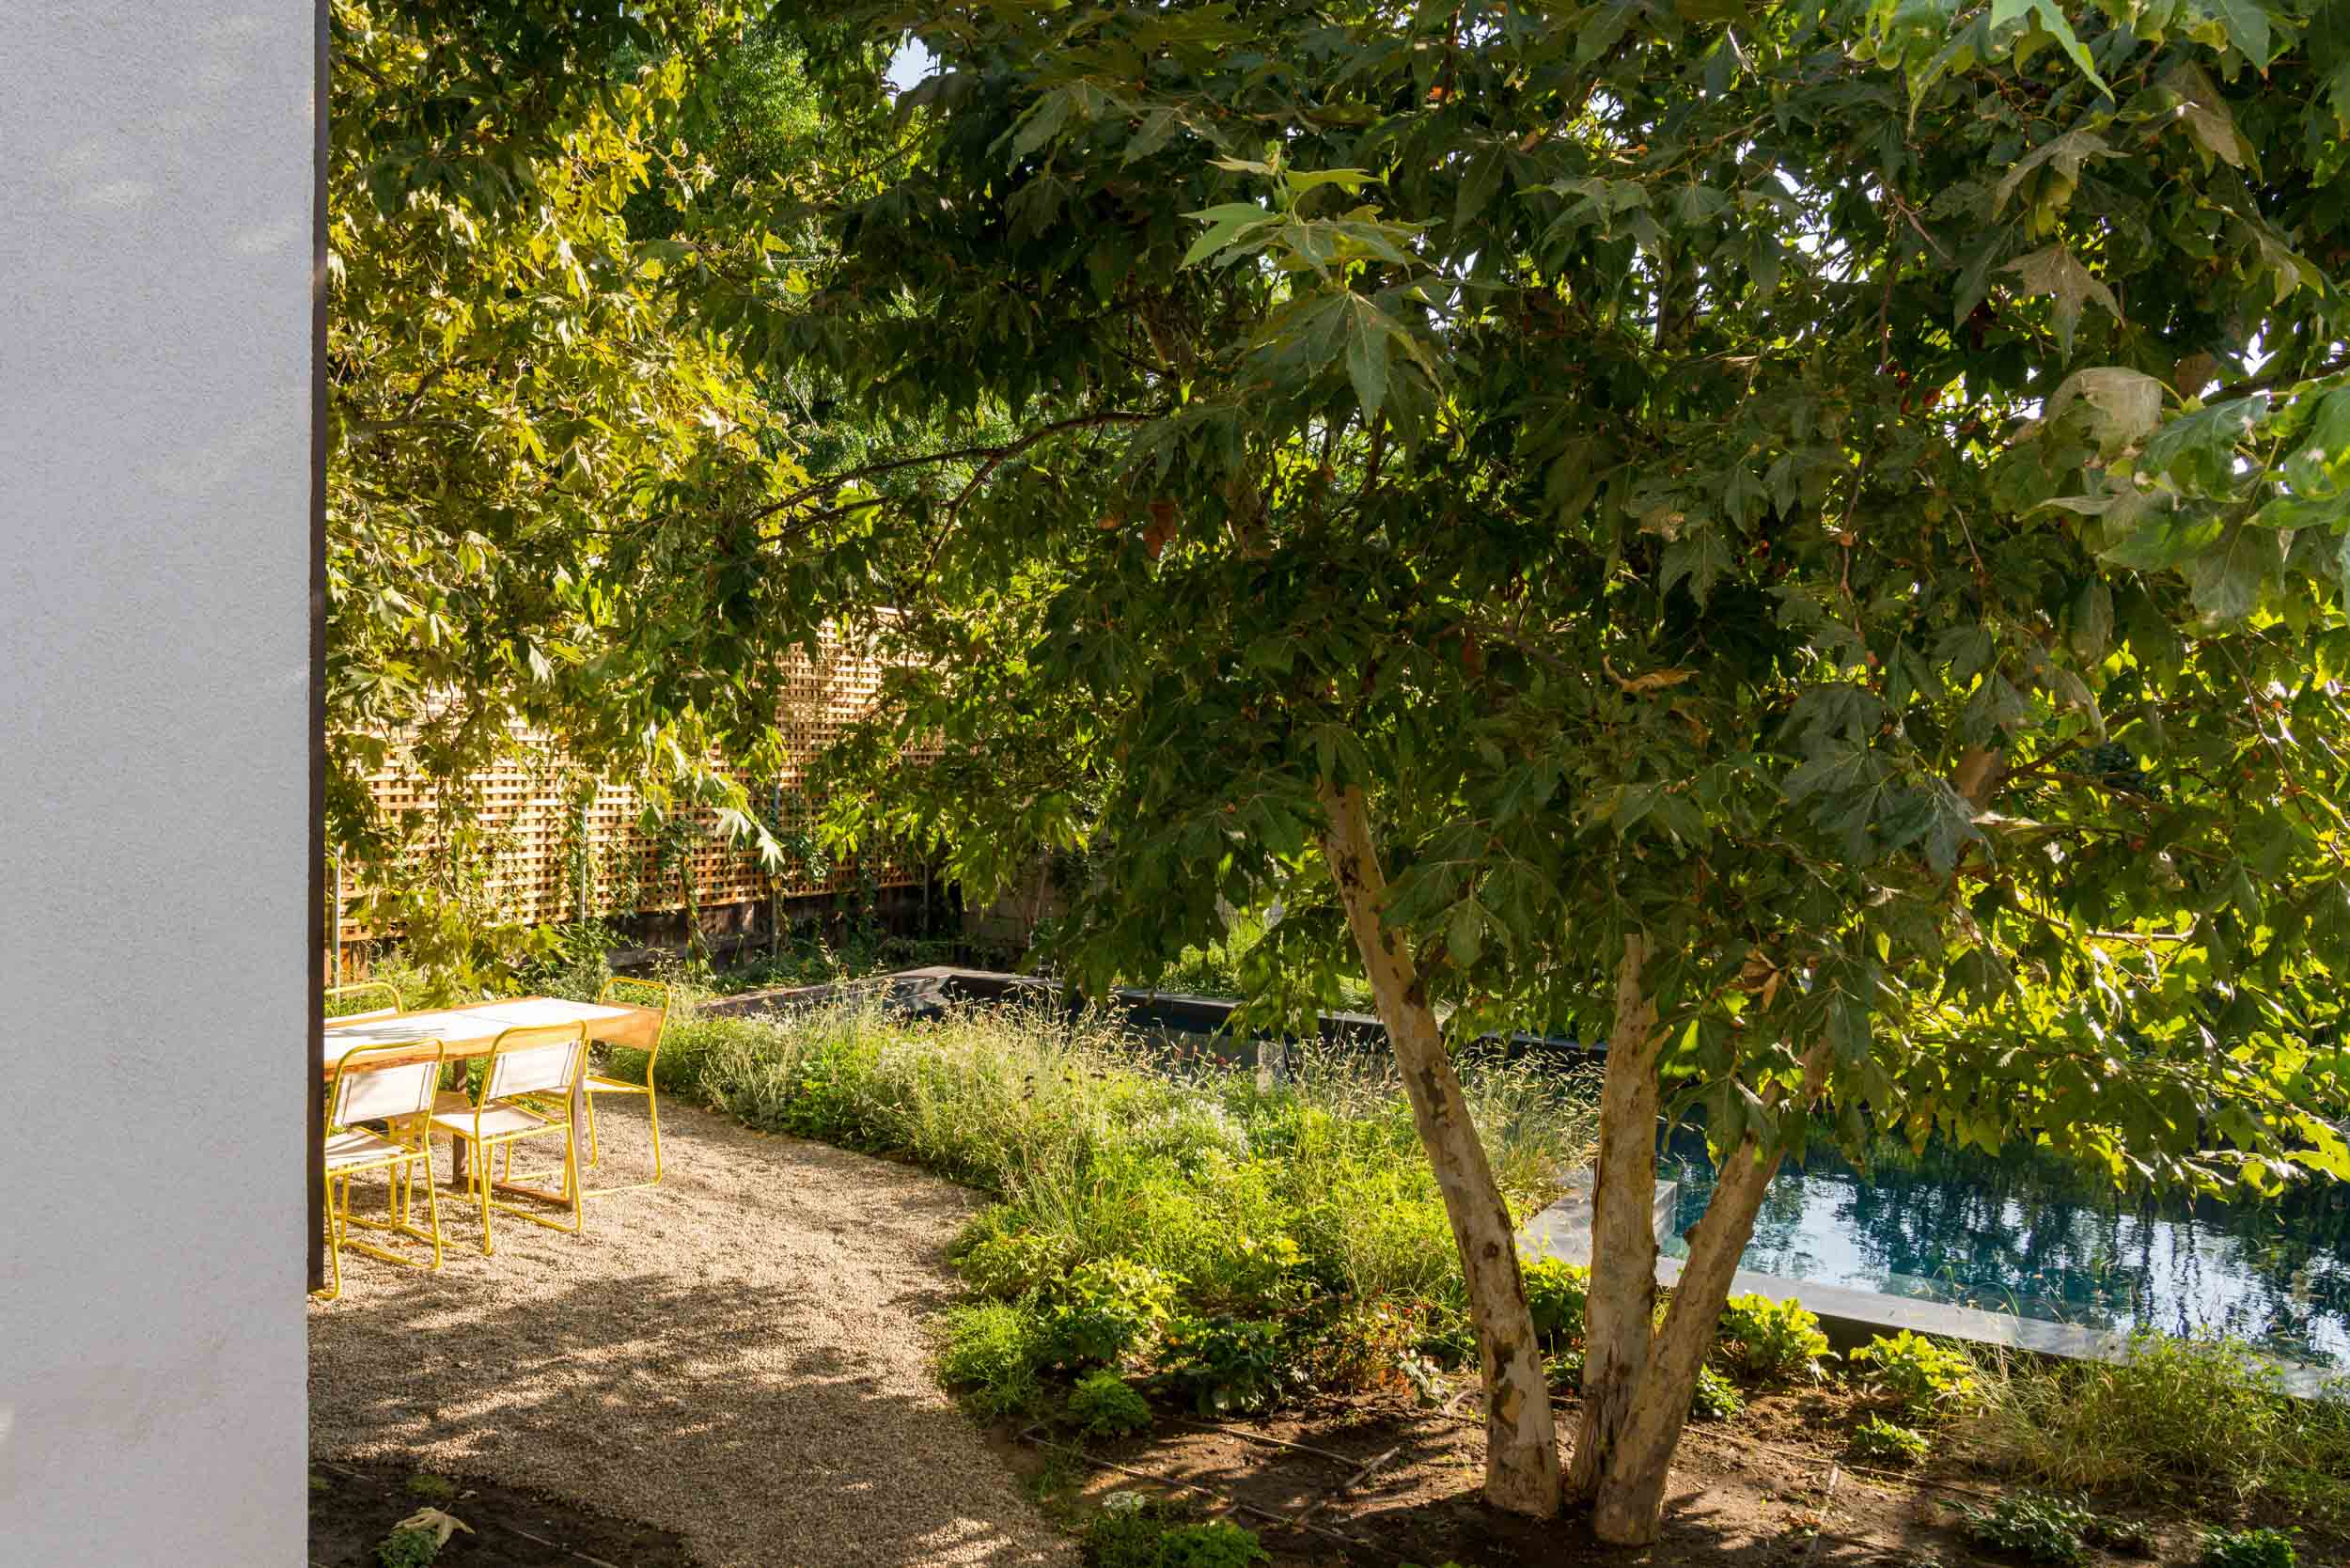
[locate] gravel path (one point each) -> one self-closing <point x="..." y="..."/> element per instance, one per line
<point x="736" y="1354"/>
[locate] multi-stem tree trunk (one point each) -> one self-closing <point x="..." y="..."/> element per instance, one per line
<point x="1627" y="1504"/>
<point x="1624" y="1455"/>
<point x="1623" y="1301"/>
<point x="1521" y="1447"/>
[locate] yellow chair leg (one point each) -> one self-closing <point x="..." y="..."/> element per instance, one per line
<point x="334" y="1249"/>
<point x="594" y="1155"/>
<point x="653" y="1109"/>
<point x="482" y="1159"/>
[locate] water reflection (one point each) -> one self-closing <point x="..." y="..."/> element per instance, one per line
<point x="2027" y="1232"/>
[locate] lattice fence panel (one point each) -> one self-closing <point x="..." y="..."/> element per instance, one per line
<point x="546" y="835"/>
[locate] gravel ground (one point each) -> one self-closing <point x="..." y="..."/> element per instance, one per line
<point x="737" y="1355"/>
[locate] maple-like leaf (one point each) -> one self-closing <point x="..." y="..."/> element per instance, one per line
<point x="2055" y="272"/>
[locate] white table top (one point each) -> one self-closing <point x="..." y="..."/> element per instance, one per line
<point x="470" y="1023"/>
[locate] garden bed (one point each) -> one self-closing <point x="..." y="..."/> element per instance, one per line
<point x="1384" y="1479"/>
<point x="354" y="1508"/>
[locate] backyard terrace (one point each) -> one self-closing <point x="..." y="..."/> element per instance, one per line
<point x="791" y="1352"/>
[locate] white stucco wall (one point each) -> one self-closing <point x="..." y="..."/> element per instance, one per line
<point x="155" y="217"/>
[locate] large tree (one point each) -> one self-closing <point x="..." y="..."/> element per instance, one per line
<point x="551" y="490"/>
<point x="1809" y="538"/>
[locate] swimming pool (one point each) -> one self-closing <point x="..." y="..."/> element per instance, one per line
<point x="2030" y="1235"/>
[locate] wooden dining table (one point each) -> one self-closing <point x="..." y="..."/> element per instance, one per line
<point x="471" y="1029"/>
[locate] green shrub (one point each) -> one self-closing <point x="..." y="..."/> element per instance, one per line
<point x="1103" y="1404"/>
<point x="1771" y="1341"/>
<point x="992" y="1358"/>
<point x="1921" y="1375"/>
<point x="1144" y="1534"/>
<point x="1213" y="1545"/>
<point x="2033" y="1526"/>
<point x="2211" y="1414"/>
<point x="431" y="1488"/>
<point x="997" y="1258"/>
<point x="1557" y="1294"/>
<point x="1125" y="1534"/>
<point x="1882" y="1442"/>
<point x="2251" y="1549"/>
<point x="1109" y="1309"/>
<point x="408" y="1548"/>
<point x="1716" y="1398"/>
<point x="1226" y="1364"/>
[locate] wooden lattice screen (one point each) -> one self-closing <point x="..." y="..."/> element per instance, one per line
<point x="542" y="845"/>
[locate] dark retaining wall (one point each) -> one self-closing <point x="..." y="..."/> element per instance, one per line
<point x="929" y="992"/>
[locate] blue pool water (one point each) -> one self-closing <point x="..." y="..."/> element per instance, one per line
<point x="2030" y="1234"/>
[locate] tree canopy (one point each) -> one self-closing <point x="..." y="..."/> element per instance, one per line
<point x="552" y="492"/>
<point x="1810" y="539"/>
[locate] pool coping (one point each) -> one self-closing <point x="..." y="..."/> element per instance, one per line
<point x="1851" y="1317"/>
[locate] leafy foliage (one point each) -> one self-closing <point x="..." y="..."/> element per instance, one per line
<point x="1877" y="1441"/>
<point x="552" y="495"/>
<point x="1556" y="1291"/>
<point x="1108" y="1309"/>
<point x="2033" y="1526"/>
<point x="1770" y="1341"/>
<point x="1228" y="1364"/>
<point x="408" y="1548"/>
<point x="2251" y="1549"/>
<point x="1103" y="1404"/>
<point x="1151" y="1536"/>
<point x="1715" y="1398"/>
<point x="992" y="1358"/>
<point x="1217" y="1544"/>
<point x="1923" y="1376"/>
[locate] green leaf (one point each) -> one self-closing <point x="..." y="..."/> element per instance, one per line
<point x="1367" y="364"/>
<point x="2225" y="584"/>
<point x="2091" y="625"/>
<point x="2197" y="449"/>
<point x="2130" y="401"/>
<point x="1225" y="221"/>
<point x="2242" y="23"/>
<point x="1464" y="933"/>
<point x="2318" y="467"/>
<point x="2205" y="113"/>
<point x="2055" y="273"/>
<point x="1302" y="181"/>
<point x="2169" y="539"/>
<point x="2047" y="17"/>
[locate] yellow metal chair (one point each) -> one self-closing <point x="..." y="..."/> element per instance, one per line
<point x="375" y="991"/>
<point x="525" y="1092"/>
<point x="631" y="992"/>
<point x="393" y="1085"/>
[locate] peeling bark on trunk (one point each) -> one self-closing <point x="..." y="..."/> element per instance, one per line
<point x="1521" y="1447"/>
<point x="1627" y="1505"/>
<point x="1627" y="1508"/>
<point x="1622" y="1299"/>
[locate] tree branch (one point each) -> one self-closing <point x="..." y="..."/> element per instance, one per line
<point x="994" y="457"/>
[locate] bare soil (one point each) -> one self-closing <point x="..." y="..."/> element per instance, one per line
<point x="1388" y="1481"/>
<point x="352" y="1508"/>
